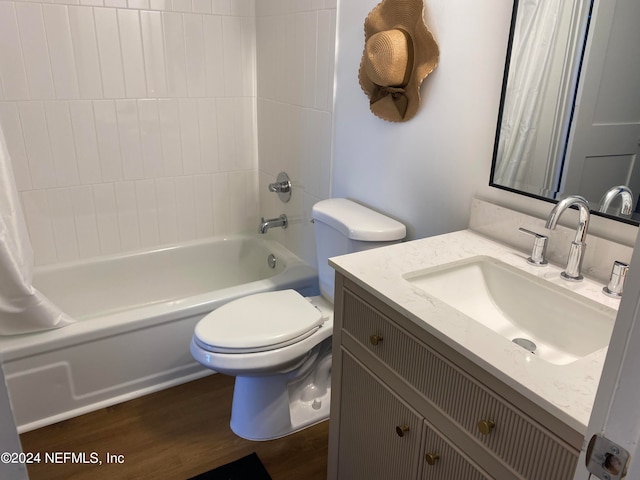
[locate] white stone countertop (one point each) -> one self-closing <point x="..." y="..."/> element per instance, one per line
<point x="566" y="391"/>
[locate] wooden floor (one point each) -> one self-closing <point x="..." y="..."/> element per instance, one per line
<point x="173" y="434"/>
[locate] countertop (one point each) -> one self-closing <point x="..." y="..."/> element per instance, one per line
<point x="566" y="391"/>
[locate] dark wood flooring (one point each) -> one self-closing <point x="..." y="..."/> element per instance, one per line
<point x="173" y="434"/>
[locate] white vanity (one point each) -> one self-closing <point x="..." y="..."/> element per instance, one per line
<point x="425" y="388"/>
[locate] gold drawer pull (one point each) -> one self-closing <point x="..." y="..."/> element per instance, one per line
<point x="485" y="426"/>
<point x="402" y="429"/>
<point x="431" y="458"/>
<point x="375" y="339"/>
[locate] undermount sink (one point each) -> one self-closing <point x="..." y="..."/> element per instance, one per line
<point x="555" y="324"/>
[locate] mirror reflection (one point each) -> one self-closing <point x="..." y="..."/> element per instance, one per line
<point x="569" y="120"/>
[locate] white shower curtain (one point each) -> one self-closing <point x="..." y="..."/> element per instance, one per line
<point x="23" y="309"/>
<point x="536" y="27"/>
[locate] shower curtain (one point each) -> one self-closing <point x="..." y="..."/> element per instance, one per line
<point x="536" y="27"/>
<point x="23" y="309"/>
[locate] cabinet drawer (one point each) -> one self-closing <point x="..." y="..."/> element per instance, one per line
<point x="379" y="434"/>
<point x="514" y="438"/>
<point x="442" y="461"/>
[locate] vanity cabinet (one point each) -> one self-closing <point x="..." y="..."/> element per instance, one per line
<point x="407" y="406"/>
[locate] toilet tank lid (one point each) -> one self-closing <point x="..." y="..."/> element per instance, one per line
<point x="358" y="222"/>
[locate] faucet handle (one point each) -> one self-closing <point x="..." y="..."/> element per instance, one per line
<point x="616" y="282"/>
<point x="539" y="248"/>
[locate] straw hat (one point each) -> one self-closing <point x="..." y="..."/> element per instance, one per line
<point x="399" y="53"/>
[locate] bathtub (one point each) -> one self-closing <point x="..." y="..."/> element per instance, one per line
<point x="135" y="316"/>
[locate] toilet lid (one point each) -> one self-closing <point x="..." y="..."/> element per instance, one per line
<point x="258" y="322"/>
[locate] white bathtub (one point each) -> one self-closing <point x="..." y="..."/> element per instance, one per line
<point x="136" y="315"/>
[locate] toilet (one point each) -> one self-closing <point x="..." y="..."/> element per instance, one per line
<point x="278" y="344"/>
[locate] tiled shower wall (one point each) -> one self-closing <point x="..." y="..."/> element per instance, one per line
<point x="129" y="123"/>
<point x="295" y="55"/>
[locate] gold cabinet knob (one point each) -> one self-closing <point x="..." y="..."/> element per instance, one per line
<point x="485" y="426"/>
<point x="431" y="458"/>
<point x="375" y="339"/>
<point x="402" y="429"/>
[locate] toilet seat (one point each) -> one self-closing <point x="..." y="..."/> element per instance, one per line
<point x="258" y="323"/>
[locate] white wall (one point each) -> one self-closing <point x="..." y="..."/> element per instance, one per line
<point x="425" y="171"/>
<point x="295" y="65"/>
<point x="129" y="123"/>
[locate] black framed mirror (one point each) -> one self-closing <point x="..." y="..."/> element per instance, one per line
<point x="569" y="119"/>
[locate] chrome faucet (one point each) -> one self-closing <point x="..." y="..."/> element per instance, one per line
<point x="265" y="225"/>
<point x="578" y="246"/>
<point x="626" y="198"/>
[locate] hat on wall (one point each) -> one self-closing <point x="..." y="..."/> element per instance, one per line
<point x="399" y="53"/>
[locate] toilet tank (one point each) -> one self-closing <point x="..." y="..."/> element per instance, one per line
<point x="343" y="226"/>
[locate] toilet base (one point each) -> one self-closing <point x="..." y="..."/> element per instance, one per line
<point x="273" y="406"/>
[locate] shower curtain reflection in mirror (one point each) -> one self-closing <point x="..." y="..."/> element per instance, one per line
<point x="536" y="27"/>
<point x="23" y="308"/>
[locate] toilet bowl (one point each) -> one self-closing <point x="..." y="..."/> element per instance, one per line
<point x="278" y="344"/>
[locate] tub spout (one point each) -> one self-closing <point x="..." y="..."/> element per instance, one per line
<point x="265" y="225"/>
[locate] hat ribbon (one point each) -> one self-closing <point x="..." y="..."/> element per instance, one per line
<point x="398" y="96"/>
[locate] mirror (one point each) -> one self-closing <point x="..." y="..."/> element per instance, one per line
<point x="569" y="120"/>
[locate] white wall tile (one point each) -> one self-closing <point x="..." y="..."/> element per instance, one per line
<point x="62" y="143"/>
<point x="38" y="218"/>
<point x="174" y="44"/>
<point x="325" y="61"/>
<point x="164" y="140"/>
<point x="107" y="218"/>
<point x="208" y="120"/>
<point x="141" y="4"/>
<point x="167" y="210"/>
<point x="132" y="56"/>
<point x="65" y="79"/>
<point x="108" y="140"/>
<point x="86" y="141"/>
<point x="63" y="224"/>
<point x="185" y="205"/>
<point x="12" y="70"/>
<point x="194" y="55"/>
<point x="202" y="6"/>
<point x="85" y="221"/>
<point x="85" y="49"/>
<point x="214" y="55"/>
<point x="147" y="213"/>
<point x="10" y="124"/>
<point x="36" y="137"/>
<point x="128" y="221"/>
<point x="232" y="42"/>
<point x="110" y="55"/>
<point x="171" y="144"/>
<point x="160" y="5"/>
<point x="221" y="213"/>
<point x="154" y="63"/>
<point x="34" y="51"/>
<point x="150" y="138"/>
<point x="221" y="7"/>
<point x="226" y="134"/>
<point x="129" y="135"/>
<point x="182" y="5"/>
<point x="203" y="200"/>
<point x="189" y="136"/>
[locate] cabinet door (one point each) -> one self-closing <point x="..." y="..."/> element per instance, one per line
<point x="379" y="434"/>
<point x="442" y="461"/>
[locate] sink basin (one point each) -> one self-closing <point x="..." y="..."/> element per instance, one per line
<point x="554" y="324"/>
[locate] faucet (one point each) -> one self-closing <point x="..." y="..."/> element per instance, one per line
<point x="626" y="199"/>
<point x="265" y="225"/>
<point x="578" y="246"/>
